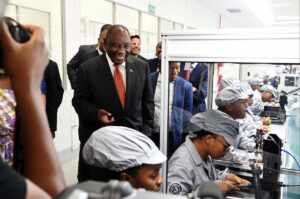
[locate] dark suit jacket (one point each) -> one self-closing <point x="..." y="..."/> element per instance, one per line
<point x="181" y="108"/>
<point x="75" y="62"/>
<point x="200" y="93"/>
<point x="95" y="89"/>
<point x="142" y="58"/>
<point x="54" y="94"/>
<point x="90" y="55"/>
<point x="153" y="64"/>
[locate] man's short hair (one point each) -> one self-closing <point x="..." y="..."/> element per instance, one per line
<point x="115" y="27"/>
<point x="135" y="36"/>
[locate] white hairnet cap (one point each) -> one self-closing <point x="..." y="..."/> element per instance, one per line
<point x="229" y="95"/>
<point x="246" y="88"/>
<point x="229" y="81"/>
<point x="119" y="148"/>
<point x="216" y="122"/>
<point x="256" y="81"/>
<point x="270" y="89"/>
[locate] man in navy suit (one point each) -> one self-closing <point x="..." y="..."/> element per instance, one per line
<point x="85" y="52"/>
<point x="196" y="73"/>
<point x="97" y="97"/>
<point x="180" y="101"/>
<point x="153" y="63"/>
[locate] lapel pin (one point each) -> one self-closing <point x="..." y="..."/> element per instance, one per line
<point x="131" y="70"/>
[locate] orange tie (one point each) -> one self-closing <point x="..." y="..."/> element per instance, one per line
<point x="118" y="78"/>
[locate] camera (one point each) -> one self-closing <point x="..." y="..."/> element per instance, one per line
<point x="17" y="31"/>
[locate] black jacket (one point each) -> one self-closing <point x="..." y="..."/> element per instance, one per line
<point x="54" y="94"/>
<point x="74" y="63"/>
<point x="95" y="89"/>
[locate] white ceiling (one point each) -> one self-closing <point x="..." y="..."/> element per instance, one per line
<point x="261" y="13"/>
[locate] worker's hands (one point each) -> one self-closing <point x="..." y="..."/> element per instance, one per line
<point x="225" y="186"/>
<point x="266" y="120"/>
<point x="105" y="117"/>
<point x="265" y="129"/>
<point x="235" y="180"/>
<point x="24" y="63"/>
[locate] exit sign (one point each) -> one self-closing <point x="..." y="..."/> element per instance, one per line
<point x="151" y="9"/>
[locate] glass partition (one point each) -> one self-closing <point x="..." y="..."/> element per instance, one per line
<point x="206" y="78"/>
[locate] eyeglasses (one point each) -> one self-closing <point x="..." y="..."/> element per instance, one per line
<point x="136" y="44"/>
<point x="226" y="146"/>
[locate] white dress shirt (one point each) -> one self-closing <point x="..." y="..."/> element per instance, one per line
<point x="157" y="104"/>
<point x="121" y="68"/>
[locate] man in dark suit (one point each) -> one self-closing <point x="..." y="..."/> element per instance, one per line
<point x="136" y="47"/>
<point x="54" y="94"/>
<point x="113" y="89"/>
<point x="153" y="63"/>
<point x="182" y="104"/>
<point x="82" y="55"/>
<point x="75" y="61"/>
<point x="197" y="74"/>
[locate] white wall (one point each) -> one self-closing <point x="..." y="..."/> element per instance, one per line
<point x="97" y="10"/>
<point x="189" y="12"/>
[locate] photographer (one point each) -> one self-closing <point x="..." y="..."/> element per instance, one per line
<point x="25" y="64"/>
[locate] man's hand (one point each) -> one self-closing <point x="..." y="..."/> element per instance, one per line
<point x="265" y="129"/>
<point x="266" y="120"/>
<point x="225" y="186"/>
<point x="235" y="180"/>
<point x="105" y="117"/>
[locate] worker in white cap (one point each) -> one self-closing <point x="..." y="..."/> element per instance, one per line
<point x="233" y="101"/>
<point x="257" y="106"/>
<point x="122" y="153"/>
<point x="229" y="81"/>
<point x="210" y="135"/>
<point x="252" y="122"/>
<point x="268" y="93"/>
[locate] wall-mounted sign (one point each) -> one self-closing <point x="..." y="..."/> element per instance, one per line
<point x="151" y="9"/>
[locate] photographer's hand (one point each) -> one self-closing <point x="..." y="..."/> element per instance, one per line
<point x="25" y="63"/>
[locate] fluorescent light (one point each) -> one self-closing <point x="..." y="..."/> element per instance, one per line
<point x="262" y="10"/>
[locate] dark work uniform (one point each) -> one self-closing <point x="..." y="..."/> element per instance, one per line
<point x="12" y="184"/>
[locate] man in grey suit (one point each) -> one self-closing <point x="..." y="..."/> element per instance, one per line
<point x="83" y="54"/>
<point x="98" y="99"/>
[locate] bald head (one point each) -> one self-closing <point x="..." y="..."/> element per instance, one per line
<point x="115" y="29"/>
<point x="118" y="43"/>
